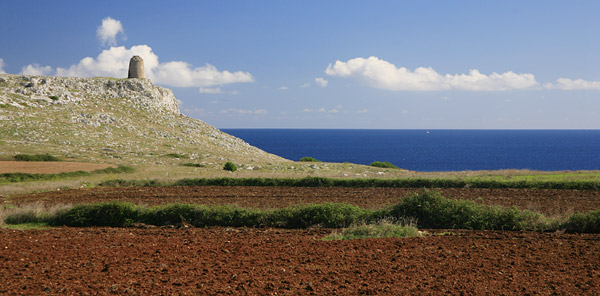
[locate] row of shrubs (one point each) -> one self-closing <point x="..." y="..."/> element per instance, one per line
<point x="35" y="157"/>
<point x="389" y="183"/>
<point x="21" y="177"/>
<point x="428" y="208"/>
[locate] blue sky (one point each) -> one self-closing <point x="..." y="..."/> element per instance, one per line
<point x="331" y="64"/>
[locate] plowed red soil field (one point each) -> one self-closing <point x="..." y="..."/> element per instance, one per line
<point x="247" y="261"/>
<point x="220" y="261"/>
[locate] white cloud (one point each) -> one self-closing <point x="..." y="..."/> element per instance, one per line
<point x="244" y="112"/>
<point x="114" y="62"/>
<point x="2" y="65"/>
<point x="382" y="74"/>
<point x="570" y="84"/>
<point x="363" y="111"/>
<point x="181" y="74"/>
<point x="336" y="109"/>
<point x="283" y="88"/>
<point x="320" y="81"/>
<point x="36" y="70"/>
<point x="305" y="85"/>
<point x="107" y="32"/>
<point x="197" y="112"/>
<point x="208" y="90"/>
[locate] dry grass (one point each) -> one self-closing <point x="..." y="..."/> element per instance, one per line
<point x="30" y="210"/>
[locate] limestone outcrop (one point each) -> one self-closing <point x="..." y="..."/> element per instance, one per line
<point x="38" y="91"/>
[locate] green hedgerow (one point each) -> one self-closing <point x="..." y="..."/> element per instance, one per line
<point x="383" y="164"/>
<point x="230" y="166"/>
<point x="583" y="222"/>
<point x="35" y="157"/>
<point x="309" y="159"/>
<point x="331" y="215"/>
<point x="432" y="210"/>
<point x="114" y="214"/>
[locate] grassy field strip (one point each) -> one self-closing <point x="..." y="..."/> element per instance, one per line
<point x="364" y="182"/>
<point x="23" y="177"/>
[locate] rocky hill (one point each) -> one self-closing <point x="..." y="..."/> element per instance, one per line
<point x="122" y="121"/>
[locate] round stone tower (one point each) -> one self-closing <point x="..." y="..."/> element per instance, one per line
<point x="136" y="67"/>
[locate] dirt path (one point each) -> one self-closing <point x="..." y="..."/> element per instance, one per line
<point x="48" y="167"/>
<point x="219" y="261"/>
<point x="548" y="202"/>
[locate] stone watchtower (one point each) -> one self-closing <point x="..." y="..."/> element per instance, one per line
<point x="136" y="67"/>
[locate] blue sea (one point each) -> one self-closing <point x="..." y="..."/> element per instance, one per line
<point x="436" y="150"/>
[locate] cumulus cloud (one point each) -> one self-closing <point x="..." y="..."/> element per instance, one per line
<point x="320" y="81"/>
<point x="114" y="62"/>
<point x="36" y="70"/>
<point x="384" y="75"/>
<point x="570" y="84"/>
<point x="283" y="88"/>
<point x="181" y="74"/>
<point x="305" y="85"/>
<point x="2" y="64"/>
<point x="243" y="111"/>
<point x="107" y="32"/>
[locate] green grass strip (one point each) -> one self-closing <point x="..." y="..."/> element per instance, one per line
<point x="375" y="230"/>
<point x="382" y="183"/>
<point x="23" y="177"/>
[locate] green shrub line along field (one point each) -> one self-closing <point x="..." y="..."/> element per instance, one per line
<point x="22" y="177"/>
<point x="428" y="208"/>
<point x="364" y="182"/>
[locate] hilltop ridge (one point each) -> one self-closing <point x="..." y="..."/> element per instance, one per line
<point x="112" y="120"/>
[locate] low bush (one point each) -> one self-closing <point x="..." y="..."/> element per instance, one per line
<point x="309" y="159"/>
<point x="230" y="166"/>
<point x="114" y="214"/>
<point x="201" y="215"/>
<point x="583" y="222"/>
<point x="195" y="165"/>
<point x="176" y="155"/>
<point x="330" y="215"/>
<point x="432" y="210"/>
<point x="131" y="183"/>
<point x="383" y="164"/>
<point x="53" y="98"/>
<point x="35" y="157"/>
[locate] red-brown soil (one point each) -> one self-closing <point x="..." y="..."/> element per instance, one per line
<point x="48" y="167"/>
<point x="548" y="202"/>
<point x="246" y="261"/>
<point x="220" y="261"/>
